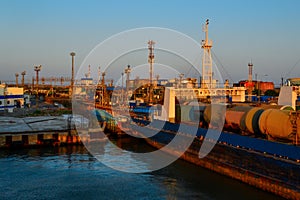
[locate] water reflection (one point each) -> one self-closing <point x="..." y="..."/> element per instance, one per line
<point x="72" y="173"/>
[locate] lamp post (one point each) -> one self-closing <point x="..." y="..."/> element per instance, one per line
<point x="72" y="54"/>
<point x="17" y="75"/>
<point x="103" y="89"/>
<point x="37" y="69"/>
<point x="127" y="72"/>
<point x="23" y="74"/>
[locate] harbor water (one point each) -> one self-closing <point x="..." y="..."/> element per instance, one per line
<point x="72" y="173"/>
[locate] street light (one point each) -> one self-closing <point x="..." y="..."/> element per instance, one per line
<point x="17" y="75"/>
<point x="37" y="69"/>
<point x="23" y="74"/>
<point x="103" y="88"/>
<point x="72" y="54"/>
<point x="127" y="72"/>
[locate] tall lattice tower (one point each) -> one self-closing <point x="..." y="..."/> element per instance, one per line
<point x="250" y="84"/>
<point x="151" y="61"/>
<point x="250" y="67"/>
<point x="207" y="74"/>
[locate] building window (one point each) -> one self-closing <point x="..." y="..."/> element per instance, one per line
<point x="0" y="102"/>
<point x="8" y="102"/>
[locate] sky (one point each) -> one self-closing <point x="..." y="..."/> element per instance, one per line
<point x="44" y="32"/>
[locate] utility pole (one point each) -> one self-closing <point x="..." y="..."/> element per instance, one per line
<point x="23" y="74"/>
<point x="17" y="80"/>
<point x="151" y="61"/>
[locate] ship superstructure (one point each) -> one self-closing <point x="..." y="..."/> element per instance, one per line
<point x="257" y="145"/>
<point x="210" y="87"/>
<point x="210" y="90"/>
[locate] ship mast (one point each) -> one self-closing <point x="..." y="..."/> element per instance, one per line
<point x="206" y="60"/>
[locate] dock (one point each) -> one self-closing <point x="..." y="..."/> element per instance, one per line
<point x="37" y="131"/>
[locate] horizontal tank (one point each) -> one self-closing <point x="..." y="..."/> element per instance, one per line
<point x="253" y="115"/>
<point x="234" y="117"/>
<point x="214" y="115"/>
<point x="251" y="120"/>
<point x="278" y="107"/>
<point x="188" y="113"/>
<point x="276" y="123"/>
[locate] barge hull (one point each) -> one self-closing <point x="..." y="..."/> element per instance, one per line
<point x="265" y="183"/>
<point x="269" y="173"/>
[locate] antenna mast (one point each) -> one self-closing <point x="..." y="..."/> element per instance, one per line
<point x="206" y="60"/>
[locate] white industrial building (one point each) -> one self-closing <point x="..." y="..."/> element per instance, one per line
<point x="11" y="97"/>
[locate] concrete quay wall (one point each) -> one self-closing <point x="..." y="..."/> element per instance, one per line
<point x="41" y="138"/>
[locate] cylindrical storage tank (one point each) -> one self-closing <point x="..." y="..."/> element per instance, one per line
<point x="251" y="120"/>
<point x="214" y="115"/>
<point x="278" y="107"/>
<point x="243" y="123"/>
<point x="276" y="123"/>
<point x="252" y="117"/>
<point x="234" y="116"/>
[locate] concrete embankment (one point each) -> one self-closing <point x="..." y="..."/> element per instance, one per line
<point x="31" y="131"/>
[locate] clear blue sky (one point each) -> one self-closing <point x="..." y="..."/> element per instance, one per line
<point x="45" y="32"/>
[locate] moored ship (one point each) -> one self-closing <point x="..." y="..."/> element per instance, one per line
<point x="257" y="145"/>
<point x="268" y="165"/>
